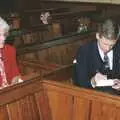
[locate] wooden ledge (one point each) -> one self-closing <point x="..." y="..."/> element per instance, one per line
<point x="90" y="94"/>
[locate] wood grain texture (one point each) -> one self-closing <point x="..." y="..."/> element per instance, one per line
<point x="43" y="105"/>
<point x="25" y="108"/>
<point x="85" y="105"/>
<point x="60" y="105"/>
<point x="81" y="108"/>
<point x="50" y="100"/>
<point x="4" y="113"/>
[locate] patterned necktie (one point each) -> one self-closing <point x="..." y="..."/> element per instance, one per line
<point x="106" y="62"/>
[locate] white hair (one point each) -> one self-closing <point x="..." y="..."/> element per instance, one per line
<point x="4" y="25"/>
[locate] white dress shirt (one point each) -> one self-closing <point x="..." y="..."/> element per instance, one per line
<point x="109" y="54"/>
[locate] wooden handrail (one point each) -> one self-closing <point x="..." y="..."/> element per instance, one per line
<point x="87" y="93"/>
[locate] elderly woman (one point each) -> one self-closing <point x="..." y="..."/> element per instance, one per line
<point x="9" y="73"/>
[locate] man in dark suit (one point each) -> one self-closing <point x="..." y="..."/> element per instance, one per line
<point x="91" y="67"/>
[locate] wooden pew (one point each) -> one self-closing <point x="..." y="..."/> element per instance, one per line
<point x="63" y="21"/>
<point x="32" y="16"/>
<point x="60" y="51"/>
<point x="25" y="101"/>
<point x="68" y="102"/>
<point x="51" y="55"/>
<point x="40" y="99"/>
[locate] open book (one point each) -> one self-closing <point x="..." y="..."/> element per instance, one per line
<point x="108" y="82"/>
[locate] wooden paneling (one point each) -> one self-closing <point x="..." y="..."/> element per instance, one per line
<point x="24" y="109"/>
<point x="63" y="74"/>
<point x="49" y="100"/>
<point x="43" y="105"/>
<point x="60" y="105"/>
<point x="56" y="51"/>
<point x="55" y="42"/>
<point x="78" y="112"/>
<point x="103" y="111"/>
<point x="3" y="113"/>
<point x="20" y="102"/>
<point x="51" y="56"/>
<point x="86" y="104"/>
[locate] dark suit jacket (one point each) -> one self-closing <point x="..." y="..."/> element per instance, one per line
<point x="89" y="62"/>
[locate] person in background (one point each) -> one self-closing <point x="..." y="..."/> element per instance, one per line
<point x="98" y="61"/>
<point x="9" y="72"/>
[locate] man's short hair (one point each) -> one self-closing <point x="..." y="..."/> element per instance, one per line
<point x="109" y="29"/>
<point x="4" y="25"/>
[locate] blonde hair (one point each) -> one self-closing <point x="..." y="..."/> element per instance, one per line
<point x="4" y="25"/>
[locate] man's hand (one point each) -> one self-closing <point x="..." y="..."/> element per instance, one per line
<point x="99" y="77"/>
<point x="116" y="84"/>
<point x="95" y="81"/>
<point x="100" y="80"/>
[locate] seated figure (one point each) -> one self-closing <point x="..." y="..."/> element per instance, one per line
<point x="9" y="72"/>
<point x="98" y="62"/>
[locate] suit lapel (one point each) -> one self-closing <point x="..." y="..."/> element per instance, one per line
<point x="98" y="59"/>
<point x="116" y="59"/>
